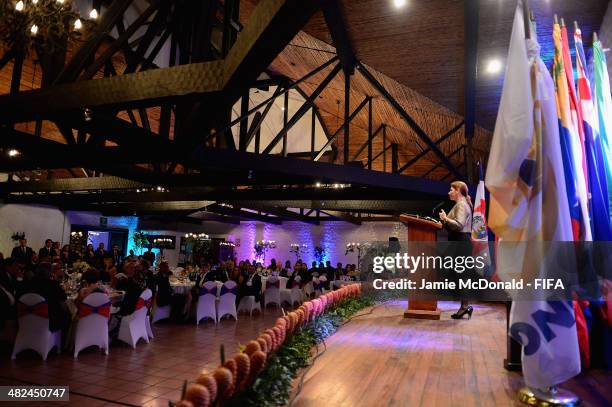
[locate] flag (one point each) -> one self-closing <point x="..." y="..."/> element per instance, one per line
<point x="571" y="144"/>
<point x="598" y="184"/>
<point x="603" y="109"/>
<point x="480" y="235"/>
<point x="528" y="203"/>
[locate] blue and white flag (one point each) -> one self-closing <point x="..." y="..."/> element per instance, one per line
<point x="526" y="182"/>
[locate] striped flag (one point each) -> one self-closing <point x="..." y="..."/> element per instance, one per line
<point x="480" y="235"/>
<point x="603" y="109"/>
<point x="572" y="147"/>
<point x="598" y="184"/>
<point x="528" y="203"/>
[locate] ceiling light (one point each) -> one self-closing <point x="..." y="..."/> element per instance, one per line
<point x="399" y="3"/>
<point x="78" y="24"/>
<point x="19" y="6"/>
<point x="34" y="29"/>
<point x="13" y="153"/>
<point x="494" y="66"/>
<point x="93" y="14"/>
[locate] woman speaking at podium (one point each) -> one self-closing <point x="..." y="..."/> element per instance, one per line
<point x="458" y="223"/>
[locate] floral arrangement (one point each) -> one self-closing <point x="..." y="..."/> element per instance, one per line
<point x="319" y="253"/>
<point x="259" y="250"/>
<point x="262" y="372"/>
<point x="296" y="249"/>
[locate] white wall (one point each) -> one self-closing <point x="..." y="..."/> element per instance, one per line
<point x="37" y="222"/>
<point x="332" y="236"/>
<point x="44" y="222"/>
<point x="40" y="223"/>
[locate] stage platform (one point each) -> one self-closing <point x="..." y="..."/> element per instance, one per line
<point x="383" y="359"/>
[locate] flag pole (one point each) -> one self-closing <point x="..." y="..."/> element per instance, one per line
<point x="551" y="396"/>
<point x="526" y="19"/>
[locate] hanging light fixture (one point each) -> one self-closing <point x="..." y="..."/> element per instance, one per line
<point x="78" y="24"/>
<point x="93" y="14"/>
<point x="19" y="6"/>
<point x="34" y="29"/>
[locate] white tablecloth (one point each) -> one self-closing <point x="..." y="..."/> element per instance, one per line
<point x="180" y="287"/>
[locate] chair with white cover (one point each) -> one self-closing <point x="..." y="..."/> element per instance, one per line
<point x="34" y="333"/>
<point x="308" y="289"/>
<point x="249" y="305"/>
<point x="283" y="282"/>
<point x="92" y="327"/>
<point x="320" y="286"/>
<point x="227" y="300"/>
<point x="160" y="313"/>
<point x="292" y="295"/>
<point x="133" y="326"/>
<point x="272" y="292"/>
<point x="206" y="302"/>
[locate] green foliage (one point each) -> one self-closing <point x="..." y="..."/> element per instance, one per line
<point x="273" y="386"/>
<point x="140" y="240"/>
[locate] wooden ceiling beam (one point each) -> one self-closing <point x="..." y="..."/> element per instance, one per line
<point x="337" y="28"/>
<point x="427" y="150"/>
<point x="239" y="213"/>
<point x="410" y="121"/>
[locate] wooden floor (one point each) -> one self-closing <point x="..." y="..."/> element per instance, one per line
<point x="150" y="375"/>
<point x="382" y="359"/>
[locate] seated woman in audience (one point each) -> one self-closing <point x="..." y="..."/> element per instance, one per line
<point x="51" y="290"/>
<point x="133" y="284"/>
<point x="57" y="252"/>
<point x="109" y="270"/>
<point x="90" y="278"/>
<point x="272" y="266"/>
<point x="286" y="271"/>
<point x="236" y="275"/>
<point x="164" y="290"/>
<point x="90" y="255"/>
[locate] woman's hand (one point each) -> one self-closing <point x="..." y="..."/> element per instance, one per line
<point x="442" y="215"/>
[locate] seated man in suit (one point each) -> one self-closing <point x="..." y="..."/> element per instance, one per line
<point x="47" y="250"/>
<point x="22" y="253"/>
<point x="250" y="285"/>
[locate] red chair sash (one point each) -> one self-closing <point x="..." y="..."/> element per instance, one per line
<point x="275" y="284"/>
<point x="212" y="291"/>
<point x="86" y="310"/>
<point x="142" y="303"/>
<point x="41" y="309"/>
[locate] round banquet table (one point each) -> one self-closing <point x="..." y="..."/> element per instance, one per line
<point x="181" y="286"/>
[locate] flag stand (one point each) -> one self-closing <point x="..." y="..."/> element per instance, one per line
<point x="553" y="396"/>
<point x="513" y="348"/>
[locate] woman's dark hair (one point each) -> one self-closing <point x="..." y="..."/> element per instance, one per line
<point x="91" y="276"/>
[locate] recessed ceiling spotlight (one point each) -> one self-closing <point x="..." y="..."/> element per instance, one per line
<point x="13" y="153"/>
<point x="399" y="3"/>
<point x="494" y="66"/>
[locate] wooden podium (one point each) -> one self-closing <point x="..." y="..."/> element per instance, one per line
<point x="422" y="230"/>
